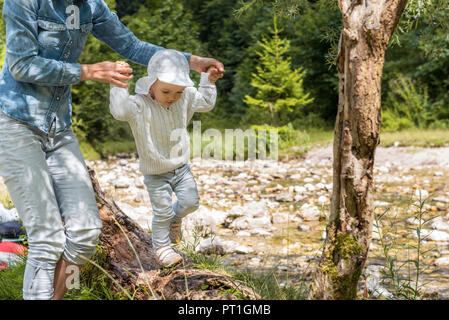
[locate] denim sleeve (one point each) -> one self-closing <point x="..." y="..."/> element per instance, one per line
<point x="108" y="29"/>
<point x="22" y="49"/>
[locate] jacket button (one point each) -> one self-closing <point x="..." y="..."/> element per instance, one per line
<point x="58" y="98"/>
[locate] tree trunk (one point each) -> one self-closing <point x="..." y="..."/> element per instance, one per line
<point x="368" y="26"/>
<point x="136" y="269"/>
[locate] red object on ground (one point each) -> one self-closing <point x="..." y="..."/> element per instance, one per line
<point x="8" y="249"/>
<point x="12" y="247"/>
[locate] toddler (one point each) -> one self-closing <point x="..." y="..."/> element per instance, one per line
<point x="158" y="115"/>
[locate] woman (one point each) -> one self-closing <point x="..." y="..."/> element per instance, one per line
<point x="40" y="159"/>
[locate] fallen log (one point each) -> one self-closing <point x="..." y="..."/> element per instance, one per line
<point x="132" y="263"/>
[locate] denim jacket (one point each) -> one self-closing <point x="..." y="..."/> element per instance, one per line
<point x="42" y="50"/>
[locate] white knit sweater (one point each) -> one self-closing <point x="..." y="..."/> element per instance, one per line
<point x="162" y="140"/>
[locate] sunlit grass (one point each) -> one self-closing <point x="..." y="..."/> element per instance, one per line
<point x="416" y="137"/>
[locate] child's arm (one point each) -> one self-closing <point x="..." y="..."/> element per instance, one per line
<point x="203" y="99"/>
<point x="122" y="106"/>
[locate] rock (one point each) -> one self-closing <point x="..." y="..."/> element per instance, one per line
<point x="138" y="182"/>
<point x="123" y="162"/>
<point x="141" y="215"/>
<point x="320" y="185"/>
<point x="253" y="209"/>
<point x="245" y="223"/>
<point x="280" y="218"/>
<point x="310" y="187"/>
<point x="142" y="196"/>
<point x="381" y="204"/>
<point x="322" y="200"/>
<point x="283" y="268"/>
<point x="421" y="193"/>
<point x="284" y="197"/>
<point x="440" y="224"/>
<point x="433" y="235"/>
<point x="295" y="176"/>
<point x="444" y="261"/>
<point x="243" y="234"/>
<point x="234" y="247"/>
<point x="122" y="183"/>
<point x="373" y="283"/>
<point x="303" y="228"/>
<point x="309" y="212"/>
<point x="308" y="180"/>
<point x="242" y="250"/>
<point x="441" y="199"/>
<point x="204" y="220"/>
<point x="438" y="174"/>
<point x="300" y="189"/>
<point x="261" y="232"/>
<point x="255" y="261"/>
<point x="212" y="245"/>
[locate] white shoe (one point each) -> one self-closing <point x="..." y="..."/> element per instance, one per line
<point x="167" y="256"/>
<point x="175" y="231"/>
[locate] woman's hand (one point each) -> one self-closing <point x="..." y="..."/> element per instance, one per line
<point x="115" y="73"/>
<point x="201" y="64"/>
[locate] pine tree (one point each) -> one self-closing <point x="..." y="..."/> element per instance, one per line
<point x="279" y="88"/>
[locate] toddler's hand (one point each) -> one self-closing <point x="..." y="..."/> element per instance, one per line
<point x="123" y="67"/>
<point x="214" y="74"/>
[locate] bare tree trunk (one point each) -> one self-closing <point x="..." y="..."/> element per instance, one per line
<point x="368" y="26"/>
<point x="135" y="268"/>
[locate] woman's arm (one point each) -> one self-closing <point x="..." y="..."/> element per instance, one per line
<point x="108" y="28"/>
<point x="22" y="48"/>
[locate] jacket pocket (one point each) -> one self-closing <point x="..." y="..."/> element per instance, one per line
<point x="52" y="34"/>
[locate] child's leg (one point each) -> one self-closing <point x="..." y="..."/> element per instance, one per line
<point x="186" y="191"/>
<point x="160" y="191"/>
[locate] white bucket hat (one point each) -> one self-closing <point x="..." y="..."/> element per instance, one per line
<point x="169" y="66"/>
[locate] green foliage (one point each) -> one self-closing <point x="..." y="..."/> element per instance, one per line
<point x="269" y="287"/>
<point x="407" y="106"/>
<point x="11" y="281"/>
<point x="287" y="135"/>
<point x="279" y="88"/>
<point x="403" y="278"/>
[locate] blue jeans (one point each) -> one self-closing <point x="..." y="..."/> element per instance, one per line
<point x="49" y="184"/>
<point x="161" y="188"/>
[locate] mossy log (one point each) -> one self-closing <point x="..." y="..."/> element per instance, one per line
<point x="131" y="261"/>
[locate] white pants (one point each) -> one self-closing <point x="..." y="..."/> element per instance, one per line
<point x="49" y="184"/>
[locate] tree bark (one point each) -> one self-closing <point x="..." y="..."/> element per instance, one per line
<point x="368" y="26"/>
<point x="135" y="268"/>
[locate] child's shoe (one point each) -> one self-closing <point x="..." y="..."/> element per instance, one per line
<point x="175" y="231"/>
<point x="167" y="256"/>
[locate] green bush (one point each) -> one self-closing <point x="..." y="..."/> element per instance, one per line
<point x="407" y="105"/>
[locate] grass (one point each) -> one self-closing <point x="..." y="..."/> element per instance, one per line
<point x="416" y="137"/>
<point x="11" y="281"/>
<point x="268" y="286"/>
<point x="402" y="276"/>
